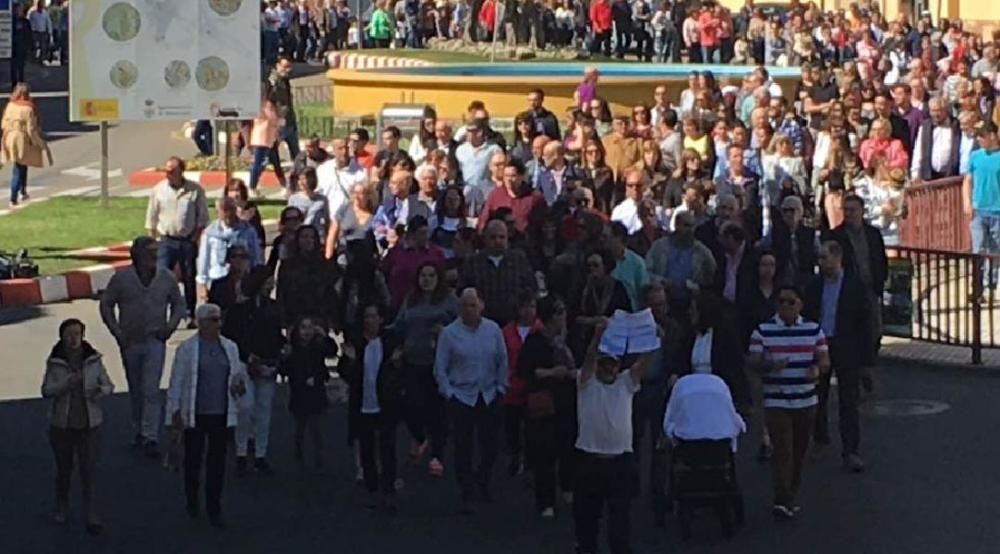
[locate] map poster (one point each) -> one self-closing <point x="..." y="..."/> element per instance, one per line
<point x="164" y="59"/>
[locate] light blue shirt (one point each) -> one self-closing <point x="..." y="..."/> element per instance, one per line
<point x="965" y="149"/>
<point x="984" y="167"/>
<point x="475" y="164"/>
<point x="828" y="310"/>
<point x="631" y="273"/>
<point x="471" y="363"/>
<point x="216" y="241"/>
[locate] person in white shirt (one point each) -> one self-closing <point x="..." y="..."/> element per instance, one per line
<point x="605" y="472"/>
<point x="41" y="30"/>
<point x="338" y="175"/>
<point x="627" y="212"/>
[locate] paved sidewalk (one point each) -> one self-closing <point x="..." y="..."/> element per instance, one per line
<point x="911" y="350"/>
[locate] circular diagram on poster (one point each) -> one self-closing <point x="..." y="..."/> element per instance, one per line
<point x="212" y="73"/>
<point x="124" y="74"/>
<point x="225" y="7"/>
<point x="177" y="74"/>
<point x="121" y="22"/>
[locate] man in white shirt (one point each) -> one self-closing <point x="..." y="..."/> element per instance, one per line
<point x="605" y="471"/>
<point x="338" y="175"/>
<point x="627" y="212"/>
<point x="936" y="149"/>
<point x="41" y="31"/>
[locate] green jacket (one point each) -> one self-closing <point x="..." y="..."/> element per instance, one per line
<point x="380" y="26"/>
<point x="280" y="90"/>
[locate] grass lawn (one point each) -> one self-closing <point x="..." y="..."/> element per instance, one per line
<point x="52" y="229"/>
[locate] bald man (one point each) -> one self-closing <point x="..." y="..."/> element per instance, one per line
<point x="498" y="273"/>
<point x="936" y="149"/>
<point x="534" y="165"/>
<point x="470" y="368"/>
<point x="338" y="175"/>
<point x="552" y="180"/>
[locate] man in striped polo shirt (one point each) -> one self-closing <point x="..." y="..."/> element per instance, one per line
<point x="791" y="353"/>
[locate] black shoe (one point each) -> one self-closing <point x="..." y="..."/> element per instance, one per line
<point x="193" y="511"/>
<point x="215" y="520"/>
<point x="241" y="466"/>
<point x="152" y="450"/>
<point x="262" y="467"/>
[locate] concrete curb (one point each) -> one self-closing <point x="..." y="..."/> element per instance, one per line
<point x="76" y="284"/>
<point x="347" y="60"/>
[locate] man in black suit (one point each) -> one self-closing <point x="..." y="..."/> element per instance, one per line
<point x="864" y="257"/>
<point x="837" y="300"/>
<point x="735" y="263"/>
<point x="793" y="243"/>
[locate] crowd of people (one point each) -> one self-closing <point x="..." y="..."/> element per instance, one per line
<point x="463" y="281"/>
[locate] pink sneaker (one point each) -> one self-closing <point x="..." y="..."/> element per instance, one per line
<point x="436" y="468"/>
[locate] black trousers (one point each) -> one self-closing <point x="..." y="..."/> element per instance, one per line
<point x="623" y="40"/>
<point x="601" y="43"/>
<point x="68" y="444"/>
<point x="425" y="413"/>
<point x="603" y="482"/>
<point x="474" y="424"/>
<point x="378" y="431"/>
<point x="514" y="431"/>
<point x="643" y="46"/>
<point x="549" y="441"/>
<point x="848" y="396"/>
<point x="648" y="407"/>
<point x="210" y="429"/>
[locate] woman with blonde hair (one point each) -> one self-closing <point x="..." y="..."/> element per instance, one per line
<point x="23" y="144"/>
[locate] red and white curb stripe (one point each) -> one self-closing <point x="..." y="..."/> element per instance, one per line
<point x="150" y="177"/>
<point x="81" y="283"/>
<point x="343" y="60"/>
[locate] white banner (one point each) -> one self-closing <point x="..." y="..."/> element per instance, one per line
<point x="164" y="59"/>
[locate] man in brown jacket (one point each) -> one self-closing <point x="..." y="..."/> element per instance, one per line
<point x="622" y="150"/>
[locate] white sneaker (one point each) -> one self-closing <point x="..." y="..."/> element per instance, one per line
<point x="548" y="513"/>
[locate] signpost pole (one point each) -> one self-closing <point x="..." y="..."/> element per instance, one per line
<point x="229" y="159"/>
<point x="104" y="165"/>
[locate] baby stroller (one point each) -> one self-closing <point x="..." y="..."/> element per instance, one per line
<point x="702" y="424"/>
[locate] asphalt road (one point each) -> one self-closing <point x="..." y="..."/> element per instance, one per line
<point x="930" y="486"/>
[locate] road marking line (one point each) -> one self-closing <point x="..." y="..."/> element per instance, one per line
<point x="78" y="191"/>
<point x="90" y="173"/>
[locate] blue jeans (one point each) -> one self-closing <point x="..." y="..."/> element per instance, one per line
<point x="18" y="182"/>
<point x="667" y="43"/>
<point x="290" y="135"/>
<point x="261" y="155"/>
<point x="174" y="251"/>
<point x="985" y="231"/>
<point x="143" y="369"/>
<point x="709" y="54"/>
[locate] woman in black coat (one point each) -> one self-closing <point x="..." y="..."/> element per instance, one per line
<point x="372" y="367"/>
<point x="714" y="346"/>
<point x="547" y="367"/>
<point x="303" y="363"/>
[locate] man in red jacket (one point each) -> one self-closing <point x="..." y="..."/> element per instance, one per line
<point x="600" y="26"/>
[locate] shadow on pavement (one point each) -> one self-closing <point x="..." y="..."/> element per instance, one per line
<point x="10" y="316"/>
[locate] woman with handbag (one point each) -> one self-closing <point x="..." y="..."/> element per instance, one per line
<point x="75" y="378"/>
<point x="547" y="367"/>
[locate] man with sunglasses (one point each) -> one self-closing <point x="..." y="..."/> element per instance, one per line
<point x="794" y="244"/>
<point x="791" y="353"/>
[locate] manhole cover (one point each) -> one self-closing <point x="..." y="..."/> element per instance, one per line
<point x="895" y="408"/>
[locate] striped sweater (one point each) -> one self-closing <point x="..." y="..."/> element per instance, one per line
<point x="798" y="344"/>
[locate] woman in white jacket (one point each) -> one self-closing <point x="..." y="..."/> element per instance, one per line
<point x="207" y="383"/>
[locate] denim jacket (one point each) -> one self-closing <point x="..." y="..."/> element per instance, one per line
<point x="216" y="240"/>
